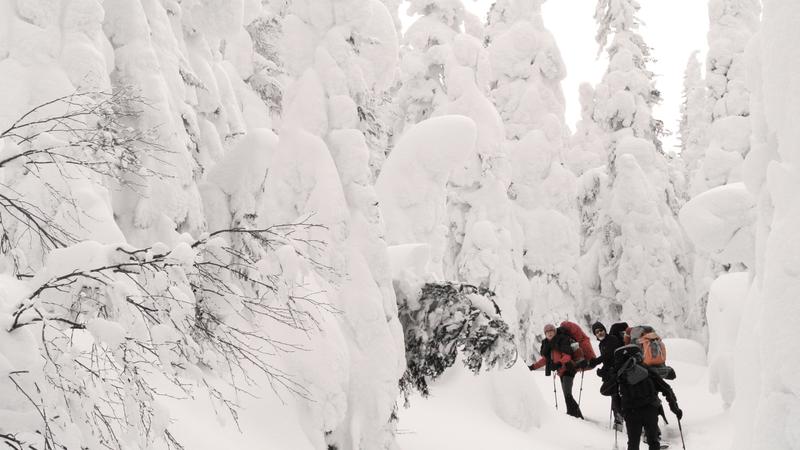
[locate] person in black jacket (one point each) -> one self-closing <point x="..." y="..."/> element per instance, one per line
<point x="638" y="388"/>
<point x="608" y="344"/>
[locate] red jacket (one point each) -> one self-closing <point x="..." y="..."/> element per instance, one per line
<point x="584" y="351"/>
<point x="558" y="357"/>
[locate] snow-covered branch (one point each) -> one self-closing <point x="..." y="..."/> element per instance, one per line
<point x="448" y="319"/>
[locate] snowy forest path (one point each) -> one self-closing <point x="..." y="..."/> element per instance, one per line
<point x="463" y="413"/>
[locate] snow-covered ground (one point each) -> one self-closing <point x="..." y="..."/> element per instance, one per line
<point x="461" y="413"/>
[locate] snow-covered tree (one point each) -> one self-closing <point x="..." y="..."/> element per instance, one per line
<point x="695" y="119"/>
<point x="731" y="24"/>
<point x="716" y="169"/>
<point x="527" y="71"/>
<point x="587" y="147"/>
<point x="639" y="249"/>
<point x="446" y="71"/>
<point x="98" y="332"/>
<point x="210" y="75"/>
<point x="766" y="396"/>
<point x="338" y="55"/>
<point x="425" y="56"/>
<point x="625" y="97"/>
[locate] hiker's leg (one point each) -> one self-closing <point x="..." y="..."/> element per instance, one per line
<point x="569" y="400"/>
<point x="650" y="423"/>
<point x="633" y="425"/>
<point x="616" y="409"/>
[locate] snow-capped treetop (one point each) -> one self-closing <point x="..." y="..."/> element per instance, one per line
<point x="626" y="95"/>
<point x="504" y="13"/>
<point x="695" y="120"/>
<point x="615" y="17"/>
<point x="731" y="24"/>
<point x="527" y="70"/>
<point x="449" y="12"/>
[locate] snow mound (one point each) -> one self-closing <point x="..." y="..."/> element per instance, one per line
<point x="719" y="222"/>
<point x="412" y="184"/>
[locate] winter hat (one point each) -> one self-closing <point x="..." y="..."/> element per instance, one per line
<point x="598" y="326"/>
<point x="549" y="327"/>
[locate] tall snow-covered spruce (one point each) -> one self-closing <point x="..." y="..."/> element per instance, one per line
<point x="527" y="71"/>
<point x="445" y="72"/>
<point x="641" y="261"/>
<point x="338" y="55"/>
<point x="695" y="117"/>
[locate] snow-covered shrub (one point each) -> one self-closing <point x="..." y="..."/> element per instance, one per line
<point x="95" y="335"/>
<point x="447" y="319"/>
<point x="116" y="329"/>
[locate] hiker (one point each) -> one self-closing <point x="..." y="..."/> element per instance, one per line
<point x="608" y="344"/>
<point x="638" y="387"/>
<point x="558" y="355"/>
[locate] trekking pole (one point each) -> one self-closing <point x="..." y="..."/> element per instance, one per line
<point x="580" y="392"/>
<point x="555" y="396"/>
<point x="680" y="428"/>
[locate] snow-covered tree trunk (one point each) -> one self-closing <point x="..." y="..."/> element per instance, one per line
<point x="767" y="398"/>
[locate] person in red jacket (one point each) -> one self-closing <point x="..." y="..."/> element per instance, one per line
<point x="558" y="355"/>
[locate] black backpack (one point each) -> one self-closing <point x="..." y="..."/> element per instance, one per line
<point x="636" y="388"/>
<point x="563" y="342"/>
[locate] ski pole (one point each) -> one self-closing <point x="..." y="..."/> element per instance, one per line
<point x="580" y="392"/>
<point x="680" y="428"/>
<point x="555" y="396"/>
<point x="610" y="410"/>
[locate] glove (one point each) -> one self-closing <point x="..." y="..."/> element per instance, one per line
<point x="556" y="366"/>
<point x="673" y="406"/>
<point x="595" y="362"/>
<point x="582" y="364"/>
<point x="570" y="365"/>
<point x="531" y="367"/>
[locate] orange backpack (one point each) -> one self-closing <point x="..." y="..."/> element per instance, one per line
<point x="654" y="352"/>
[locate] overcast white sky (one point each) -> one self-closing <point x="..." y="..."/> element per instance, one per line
<point x="674" y="28"/>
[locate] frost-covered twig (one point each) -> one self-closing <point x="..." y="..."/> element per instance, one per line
<point x="84" y="135"/>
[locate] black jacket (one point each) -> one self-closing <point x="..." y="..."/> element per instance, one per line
<point x="607" y="347"/>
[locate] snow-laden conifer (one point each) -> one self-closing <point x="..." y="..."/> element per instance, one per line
<point x="527" y="70"/>
<point x="641" y="262"/>
<point x="695" y="118"/>
<point x="731" y="24"/>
